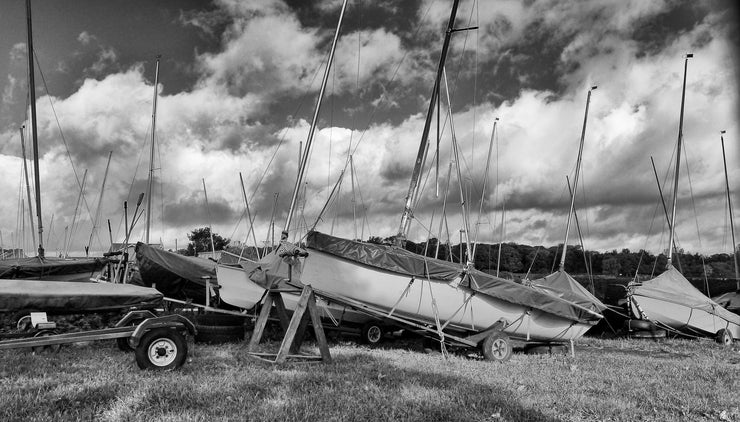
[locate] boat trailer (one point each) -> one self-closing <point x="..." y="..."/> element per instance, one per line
<point x="158" y="342"/>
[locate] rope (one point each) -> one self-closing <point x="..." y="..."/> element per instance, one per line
<point x="404" y="294"/>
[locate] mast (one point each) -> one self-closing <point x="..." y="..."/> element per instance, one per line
<point x="34" y="136"/>
<point x="151" y="154"/>
<point x="485" y="181"/>
<point x="314" y="121"/>
<point x="729" y="205"/>
<point x="28" y="185"/>
<point x="414" y="184"/>
<point x="575" y="182"/>
<point x="465" y="214"/>
<point x="100" y="202"/>
<point x="678" y="163"/>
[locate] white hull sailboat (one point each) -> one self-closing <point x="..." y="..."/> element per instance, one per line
<point x="669" y="301"/>
<point x="467" y="301"/>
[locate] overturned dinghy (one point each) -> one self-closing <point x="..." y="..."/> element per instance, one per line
<point x="439" y="293"/>
<point x="50" y="268"/>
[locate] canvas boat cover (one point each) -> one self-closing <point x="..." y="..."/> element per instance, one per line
<point x="729" y="301"/>
<point x="177" y="276"/>
<point x="562" y="285"/>
<point x="49" y="267"/>
<point x="405" y="262"/>
<point x="672" y="286"/>
<point x="73" y="296"/>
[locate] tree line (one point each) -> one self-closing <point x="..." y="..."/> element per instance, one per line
<point x="520" y="258"/>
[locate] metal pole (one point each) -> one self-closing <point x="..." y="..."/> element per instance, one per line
<point x="678" y="162"/>
<point x="729" y="205"/>
<point x="309" y="140"/>
<point x="28" y="186"/>
<point x="485" y="182"/>
<point x="151" y="153"/>
<point x="575" y="181"/>
<point x="414" y="184"/>
<point x="34" y="136"/>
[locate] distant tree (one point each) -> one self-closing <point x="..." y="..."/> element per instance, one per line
<point x="200" y="241"/>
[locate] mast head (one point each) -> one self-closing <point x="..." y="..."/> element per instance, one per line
<point x="688" y="55"/>
<point x="593" y="88"/>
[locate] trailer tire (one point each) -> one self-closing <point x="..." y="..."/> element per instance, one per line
<point x="497" y="347"/>
<point x="724" y="337"/>
<point x="651" y="335"/>
<point x="639" y="325"/>
<point x="372" y="334"/>
<point x="547" y="349"/>
<point x="161" y="349"/>
<point x="52" y="348"/>
<point x="218" y="334"/>
<point x="123" y="344"/>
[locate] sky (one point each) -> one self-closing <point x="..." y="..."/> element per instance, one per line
<point x="238" y="86"/>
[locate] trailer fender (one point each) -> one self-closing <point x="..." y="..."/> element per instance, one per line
<point x="134" y="317"/>
<point x="176" y="322"/>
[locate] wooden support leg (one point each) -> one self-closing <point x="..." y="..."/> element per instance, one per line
<point x="280" y="309"/>
<point x="318" y="329"/>
<point x="301" y="333"/>
<point x="294" y="323"/>
<point x="259" y="326"/>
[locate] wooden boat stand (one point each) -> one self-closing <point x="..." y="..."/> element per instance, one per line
<point x="294" y="328"/>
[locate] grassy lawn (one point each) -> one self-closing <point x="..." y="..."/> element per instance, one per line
<point x="620" y="380"/>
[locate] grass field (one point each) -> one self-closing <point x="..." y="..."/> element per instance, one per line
<point x="607" y="380"/>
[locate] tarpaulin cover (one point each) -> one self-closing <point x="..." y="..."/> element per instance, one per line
<point x="562" y="285"/>
<point x="177" y="276"/>
<point x="49" y="267"/>
<point x="729" y="301"/>
<point x="672" y="286"/>
<point x="73" y="297"/>
<point x="404" y="262"/>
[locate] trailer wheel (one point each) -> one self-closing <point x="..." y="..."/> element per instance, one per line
<point x="639" y="325"/>
<point x="497" y="347"/>
<point x="371" y="334"/>
<point x="724" y="337"/>
<point x="161" y="349"/>
<point x="51" y="348"/>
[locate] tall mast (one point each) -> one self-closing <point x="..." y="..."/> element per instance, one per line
<point x="34" y="136"/>
<point x="678" y="163"/>
<point x="151" y="154"/>
<point x="485" y="182"/>
<point x="463" y="205"/>
<point x="729" y="205"/>
<point x="309" y="140"/>
<point x="28" y="185"/>
<point x="100" y="203"/>
<point x="414" y="184"/>
<point x="575" y="182"/>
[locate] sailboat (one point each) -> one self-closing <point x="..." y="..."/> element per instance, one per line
<point x="424" y="292"/>
<point x="561" y="283"/>
<point x="669" y="301"/>
<point x="41" y="267"/>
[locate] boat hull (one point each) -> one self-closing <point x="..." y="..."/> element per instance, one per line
<point x="239" y="291"/>
<point x="682" y="318"/>
<point x="429" y="301"/>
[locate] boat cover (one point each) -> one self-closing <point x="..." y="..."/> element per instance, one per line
<point x="562" y="285"/>
<point x="177" y="276"/>
<point x="49" y="267"/>
<point x="405" y="262"/>
<point x="73" y="296"/>
<point x="672" y="286"/>
<point x="729" y="301"/>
